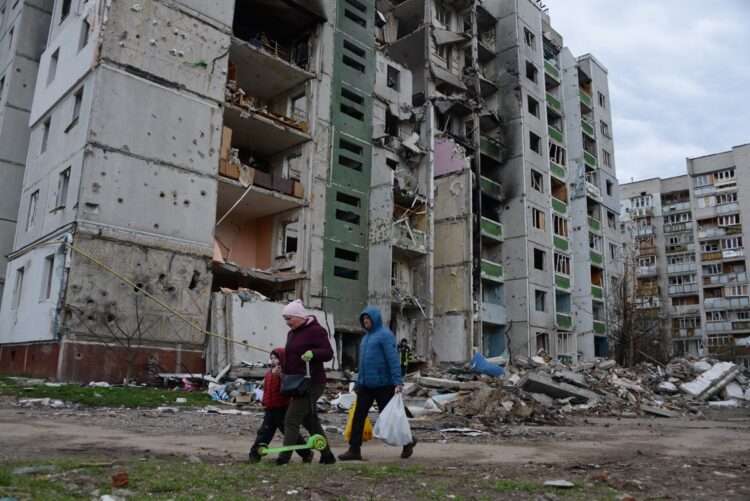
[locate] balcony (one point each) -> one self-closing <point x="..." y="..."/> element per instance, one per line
<point x="593" y="192"/>
<point x="554" y="103"/>
<point x="408" y="239"/>
<point x="562" y="282"/>
<point x="728" y="208"/>
<point x="558" y="171"/>
<point x="681" y="268"/>
<point x="741" y="326"/>
<point x="564" y="321"/>
<point x="586" y="99"/>
<point x="260" y="131"/>
<point x="675" y="227"/>
<point x="490" y="148"/>
<point x="600" y="327"/>
<point x="688" y="333"/>
<point x="643" y="231"/>
<point x="561" y="243"/>
<point x="555" y="135"/>
<point x="491" y="271"/>
<point x="645" y="271"/>
<point x="550" y="70"/>
<point x="491" y="188"/>
<point x="559" y="206"/>
<point x="732" y="253"/>
<point x="588" y="128"/>
<point x="685" y="309"/>
<point x="266" y="195"/>
<point x="676" y="207"/>
<point x="714" y="303"/>
<point x="595" y="224"/>
<point x="711" y="256"/>
<point x="645" y="251"/>
<point x="589" y="159"/>
<point x="648" y="290"/>
<point x="726" y="278"/>
<point x="685" y="247"/>
<point x="596" y="257"/>
<point x="597" y="292"/>
<point x="682" y="289"/>
<point x="718" y="327"/>
<point x="493" y="314"/>
<point x="491" y="230"/>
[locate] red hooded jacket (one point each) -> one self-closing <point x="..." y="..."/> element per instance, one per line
<point x="272" y="397"/>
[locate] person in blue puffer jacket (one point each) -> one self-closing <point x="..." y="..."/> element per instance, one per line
<point x="379" y="378"/>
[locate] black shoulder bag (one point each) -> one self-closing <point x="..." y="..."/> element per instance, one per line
<point x="296" y="385"/>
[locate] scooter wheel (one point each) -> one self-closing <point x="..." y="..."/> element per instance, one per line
<point x="320" y="443"/>
<point x="263" y="449"/>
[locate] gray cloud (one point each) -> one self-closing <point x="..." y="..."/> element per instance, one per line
<point x="679" y="77"/>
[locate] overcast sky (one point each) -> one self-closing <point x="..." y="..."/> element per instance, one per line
<point x="679" y="75"/>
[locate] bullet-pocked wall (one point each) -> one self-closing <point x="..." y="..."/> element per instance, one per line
<point x="347" y="198"/>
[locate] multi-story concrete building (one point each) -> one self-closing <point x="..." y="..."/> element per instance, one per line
<point x="446" y="161"/>
<point x="686" y="233"/>
<point x="23" y="33"/>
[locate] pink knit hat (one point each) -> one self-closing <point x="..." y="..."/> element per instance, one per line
<point x="294" y="309"/>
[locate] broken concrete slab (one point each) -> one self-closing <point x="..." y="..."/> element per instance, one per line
<point x="711" y="381"/>
<point x="543" y="399"/>
<point x="607" y="364"/>
<point x="542" y="383"/>
<point x="701" y="366"/>
<point x="449" y="384"/>
<point x="667" y="387"/>
<point x="658" y="411"/>
<point x="575" y="378"/>
<point x="733" y="390"/>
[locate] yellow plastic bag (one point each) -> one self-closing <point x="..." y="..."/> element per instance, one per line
<point x="366" y="431"/>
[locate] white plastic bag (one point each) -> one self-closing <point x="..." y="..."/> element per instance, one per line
<point x="392" y="425"/>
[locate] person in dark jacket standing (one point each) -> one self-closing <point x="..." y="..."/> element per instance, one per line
<point x="307" y="341"/>
<point x="378" y="379"/>
<point x="276" y="405"/>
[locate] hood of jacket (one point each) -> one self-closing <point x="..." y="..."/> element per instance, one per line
<point x="374" y="313"/>
<point x="279" y="352"/>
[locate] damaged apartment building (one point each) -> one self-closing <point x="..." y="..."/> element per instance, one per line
<point x="194" y="164"/>
<point x="685" y="234"/>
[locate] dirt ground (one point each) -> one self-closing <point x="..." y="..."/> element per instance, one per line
<point x="649" y="458"/>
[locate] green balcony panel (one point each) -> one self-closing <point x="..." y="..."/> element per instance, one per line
<point x="490" y="148"/>
<point x="552" y="71"/>
<point x="597" y="292"/>
<point x="559" y="206"/>
<point x="596" y="258"/>
<point x="554" y="103"/>
<point x="558" y="171"/>
<point x="491" y="228"/>
<point x="587" y="128"/>
<point x="564" y="321"/>
<point x="585" y="98"/>
<point x="562" y="282"/>
<point x="594" y="224"/>
<point x="599" y="327"/>
<point x="589" y="158"/>
<point x="491" y="187"/>
<point x="561" y="243"/>
<point x="492" y="271"/>
<point x="555" y="134"/>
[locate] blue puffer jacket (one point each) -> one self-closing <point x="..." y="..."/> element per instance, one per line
<point x="378" y="356"/>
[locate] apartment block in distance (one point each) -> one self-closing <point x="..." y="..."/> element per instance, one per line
<point x="687" y="234"/>
<point x="448" y="161"/>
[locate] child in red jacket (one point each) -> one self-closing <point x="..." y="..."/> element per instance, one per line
<point x="276" y="405"/>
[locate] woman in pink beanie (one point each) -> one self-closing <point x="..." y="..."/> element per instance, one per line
<point x="307" y="341"/>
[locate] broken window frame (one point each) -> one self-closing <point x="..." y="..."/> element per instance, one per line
<point x="537" y="181"/>
<point x="537" y="218"/>
<point x="540" y="259"/>
<point x="540" y="299"/>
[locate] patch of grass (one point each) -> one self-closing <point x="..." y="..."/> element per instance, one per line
<point x="131" y="396"/>
<point x="516" y="485"/>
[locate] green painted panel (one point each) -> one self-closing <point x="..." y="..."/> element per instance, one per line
<point x="597" y="292"/>
<point x="594" y="224"/>
<point x="559" y="206"/>
<point x="564" y="321"/>
<point x="555" y="134"/>
<point x="491" y="228"/>
<point x="596" y="258"/>
<point x="558" y="171"/>
<point x="562" y="281"/>
<point x="554" y="103"/>
<point x="552" y="71"/>
<point x="561" y="243"/>
<point x="490" y="148"/>
<point x="491" y="187"/>
<point x="587" y="128"/>
<point x="585" y="98"/>
<point x="492" y="270"/>
<point x="599" y="327"/>
<point x="589" y="158"/>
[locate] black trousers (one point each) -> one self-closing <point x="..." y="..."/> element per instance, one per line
<point x="365" y="398"/>
<point x="274" y="420"/>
